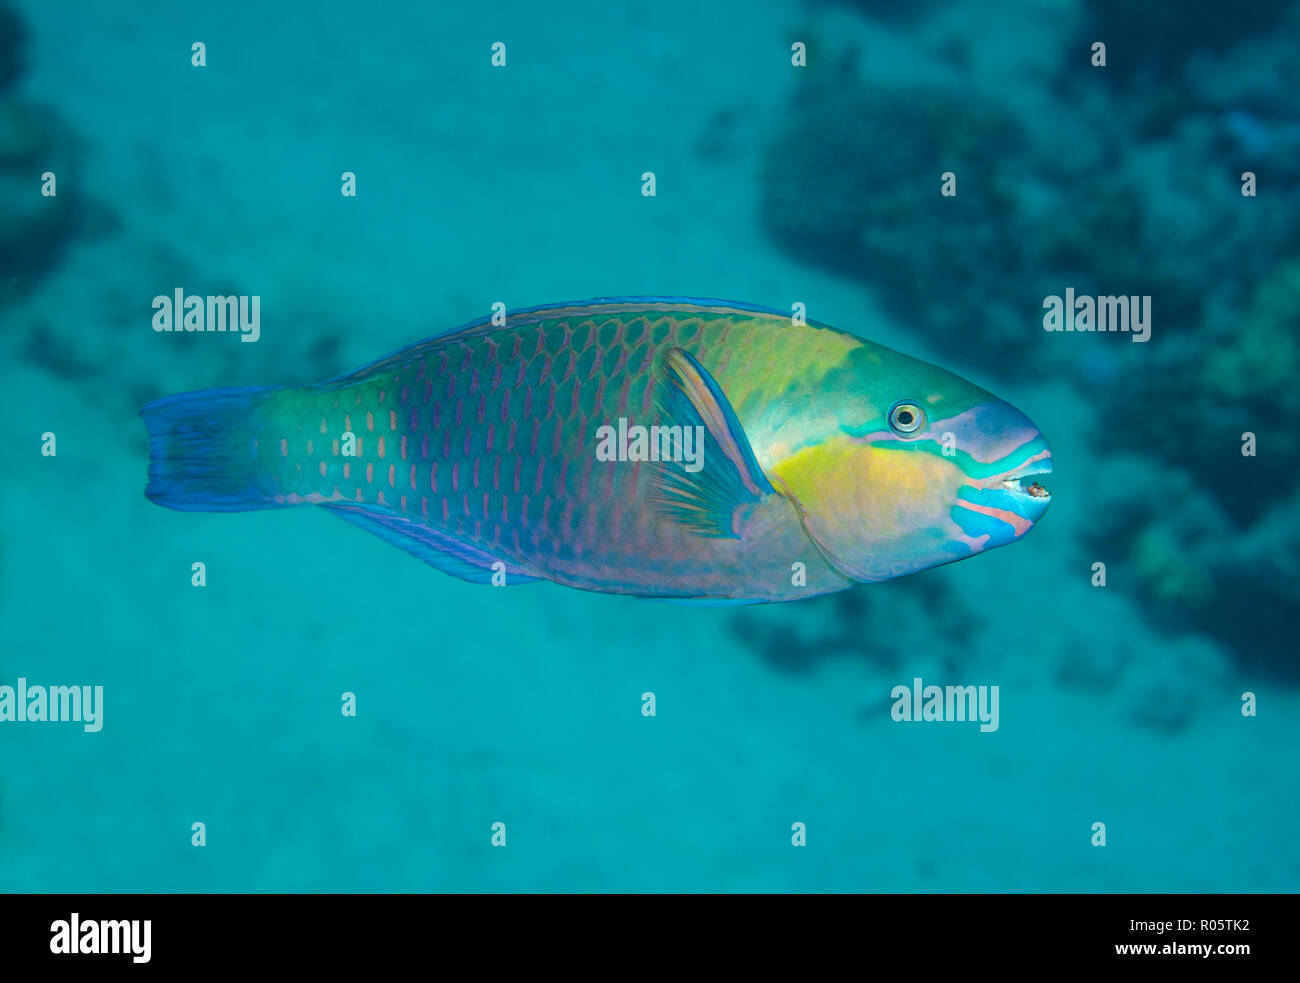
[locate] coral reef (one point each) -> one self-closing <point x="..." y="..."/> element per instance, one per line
<point x="1146" y="199"/>
<point x="1211" y="533"/>
<point x="851" y="182"/>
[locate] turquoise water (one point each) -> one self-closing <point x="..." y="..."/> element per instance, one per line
<point x="775" y="184"/>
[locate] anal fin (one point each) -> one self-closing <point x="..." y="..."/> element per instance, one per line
<point x="435" y="548"/>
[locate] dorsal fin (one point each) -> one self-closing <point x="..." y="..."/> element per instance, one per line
<point x="574" y="309"/>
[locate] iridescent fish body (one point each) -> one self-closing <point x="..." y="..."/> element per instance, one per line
<point x="826" y="459"/>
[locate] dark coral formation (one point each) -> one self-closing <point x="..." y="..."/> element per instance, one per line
<point x="13" y="39"/>
<point x="846" y="625"/>
<point x="842" y="189"/>
<point x="35" y="229"/>
<point x="1147" y="43"/>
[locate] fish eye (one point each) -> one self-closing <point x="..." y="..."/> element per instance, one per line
<point x="906" y="418"/>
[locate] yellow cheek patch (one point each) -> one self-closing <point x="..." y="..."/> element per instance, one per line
<point x="868" y="488"/>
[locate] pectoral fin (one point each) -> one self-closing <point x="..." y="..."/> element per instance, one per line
<point x="721" y="496"/>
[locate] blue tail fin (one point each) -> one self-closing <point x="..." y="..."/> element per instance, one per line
<point x="201" y="451"/>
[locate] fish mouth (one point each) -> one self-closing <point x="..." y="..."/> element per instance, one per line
<point x="1024" y="481"/>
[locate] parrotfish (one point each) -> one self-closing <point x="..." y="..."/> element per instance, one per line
<point x="694" y="450"/>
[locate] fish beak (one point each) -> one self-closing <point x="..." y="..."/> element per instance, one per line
<point x="1024" y="481"/>
<point x="1029" y="495"/>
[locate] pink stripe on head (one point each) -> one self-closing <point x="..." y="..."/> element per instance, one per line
<point x="1020" y="524"/>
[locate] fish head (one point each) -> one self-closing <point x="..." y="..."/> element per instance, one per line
<point x="898" y="465"/>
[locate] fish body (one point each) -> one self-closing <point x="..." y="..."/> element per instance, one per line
<point x="689" y="450"/>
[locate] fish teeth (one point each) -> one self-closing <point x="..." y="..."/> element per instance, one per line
<point x="1033" y="489"/>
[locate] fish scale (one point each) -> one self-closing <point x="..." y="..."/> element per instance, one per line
<point x="567" y="378"/>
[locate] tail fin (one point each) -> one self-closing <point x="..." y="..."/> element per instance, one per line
<point x="202" y="455"/>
